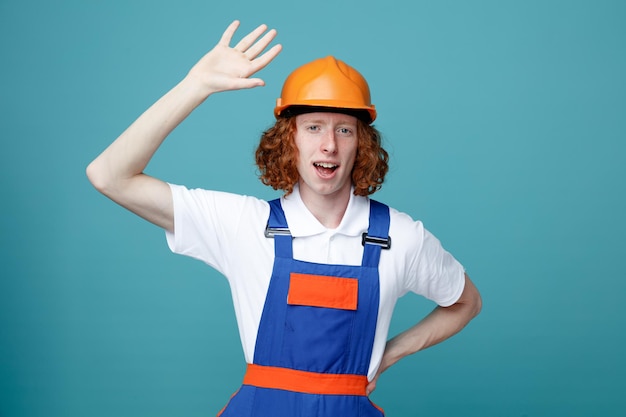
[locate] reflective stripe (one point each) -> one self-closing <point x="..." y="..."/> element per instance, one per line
<point x="304" y="381"/>
<point x="323" y="291"/>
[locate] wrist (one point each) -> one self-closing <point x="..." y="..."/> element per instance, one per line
<point x="195" y="87"/>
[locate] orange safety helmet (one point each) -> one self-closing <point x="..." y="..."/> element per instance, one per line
<point x="326" y="83"/>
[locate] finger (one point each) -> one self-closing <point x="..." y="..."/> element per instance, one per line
<point x="262" y="61"/>
<point x="261" y="44"/>
<point x="228" y="34"/>
<point x="245" y="83"/>
<point x="250" y="38"/>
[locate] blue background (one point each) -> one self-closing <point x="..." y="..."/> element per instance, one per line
<point x="506" y="123"/>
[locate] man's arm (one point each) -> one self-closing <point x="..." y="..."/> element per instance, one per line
<point x="440" y="324"/>
<point x="118" y="171"/>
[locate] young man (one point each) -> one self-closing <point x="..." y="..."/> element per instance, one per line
<point x="315" y="274"/>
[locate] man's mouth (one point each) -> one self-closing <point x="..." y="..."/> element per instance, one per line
<point x="325" y="168"/>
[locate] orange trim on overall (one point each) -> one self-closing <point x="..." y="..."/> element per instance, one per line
<point x="224" y="408"/>
<point x="323" y="291"/>
<point x="304" y="381"/>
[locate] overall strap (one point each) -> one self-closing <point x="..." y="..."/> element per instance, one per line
<point x="377" y="236"/>
<point x="277" y="228"/>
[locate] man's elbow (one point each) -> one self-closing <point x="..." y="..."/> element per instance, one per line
<point x="471" y="298"/>
<point x="98" y="178"/>
<point x="94" y="176"/>
<point x="477" y="305"/>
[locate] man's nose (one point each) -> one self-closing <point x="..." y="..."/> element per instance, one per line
<point x="329" y="142"/>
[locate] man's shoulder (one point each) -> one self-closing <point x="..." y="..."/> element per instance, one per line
<point x="215" y="200"/>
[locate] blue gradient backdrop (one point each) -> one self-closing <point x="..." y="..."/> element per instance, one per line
<point x="506" y="124"/>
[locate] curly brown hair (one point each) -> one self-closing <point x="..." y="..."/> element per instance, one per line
<point x="277" y="155"/>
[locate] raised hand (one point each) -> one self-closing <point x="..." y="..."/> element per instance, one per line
<point x="230" y="68"/>
<point x="118" y="171"/>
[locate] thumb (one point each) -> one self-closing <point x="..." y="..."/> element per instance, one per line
<point x="254" y="82"/>
<point x="371" y="386"/>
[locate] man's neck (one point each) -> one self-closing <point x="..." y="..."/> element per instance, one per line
<point x="328" y="210"/>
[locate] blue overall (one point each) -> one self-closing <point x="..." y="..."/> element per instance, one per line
<point x="316" y="340"/>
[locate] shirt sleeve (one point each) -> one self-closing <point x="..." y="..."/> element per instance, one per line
<point x="208" y="223"/>
<point x="428" y="269"/>
<point x="441" y="276"/>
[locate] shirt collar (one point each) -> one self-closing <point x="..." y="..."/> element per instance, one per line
<point x="302" y="222"/>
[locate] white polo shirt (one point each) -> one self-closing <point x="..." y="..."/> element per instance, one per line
<point x="226" y="231"/>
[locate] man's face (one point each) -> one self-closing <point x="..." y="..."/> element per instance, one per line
<point x="327" y="145"/>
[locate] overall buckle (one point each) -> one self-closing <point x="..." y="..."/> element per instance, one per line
<point x="383" y="242"/>
<point x="276" y="231"/>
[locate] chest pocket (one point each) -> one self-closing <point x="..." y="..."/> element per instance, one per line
<point x="323" y="291"/>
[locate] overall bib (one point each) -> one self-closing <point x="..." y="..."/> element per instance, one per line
<point x="316" y="333"/>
